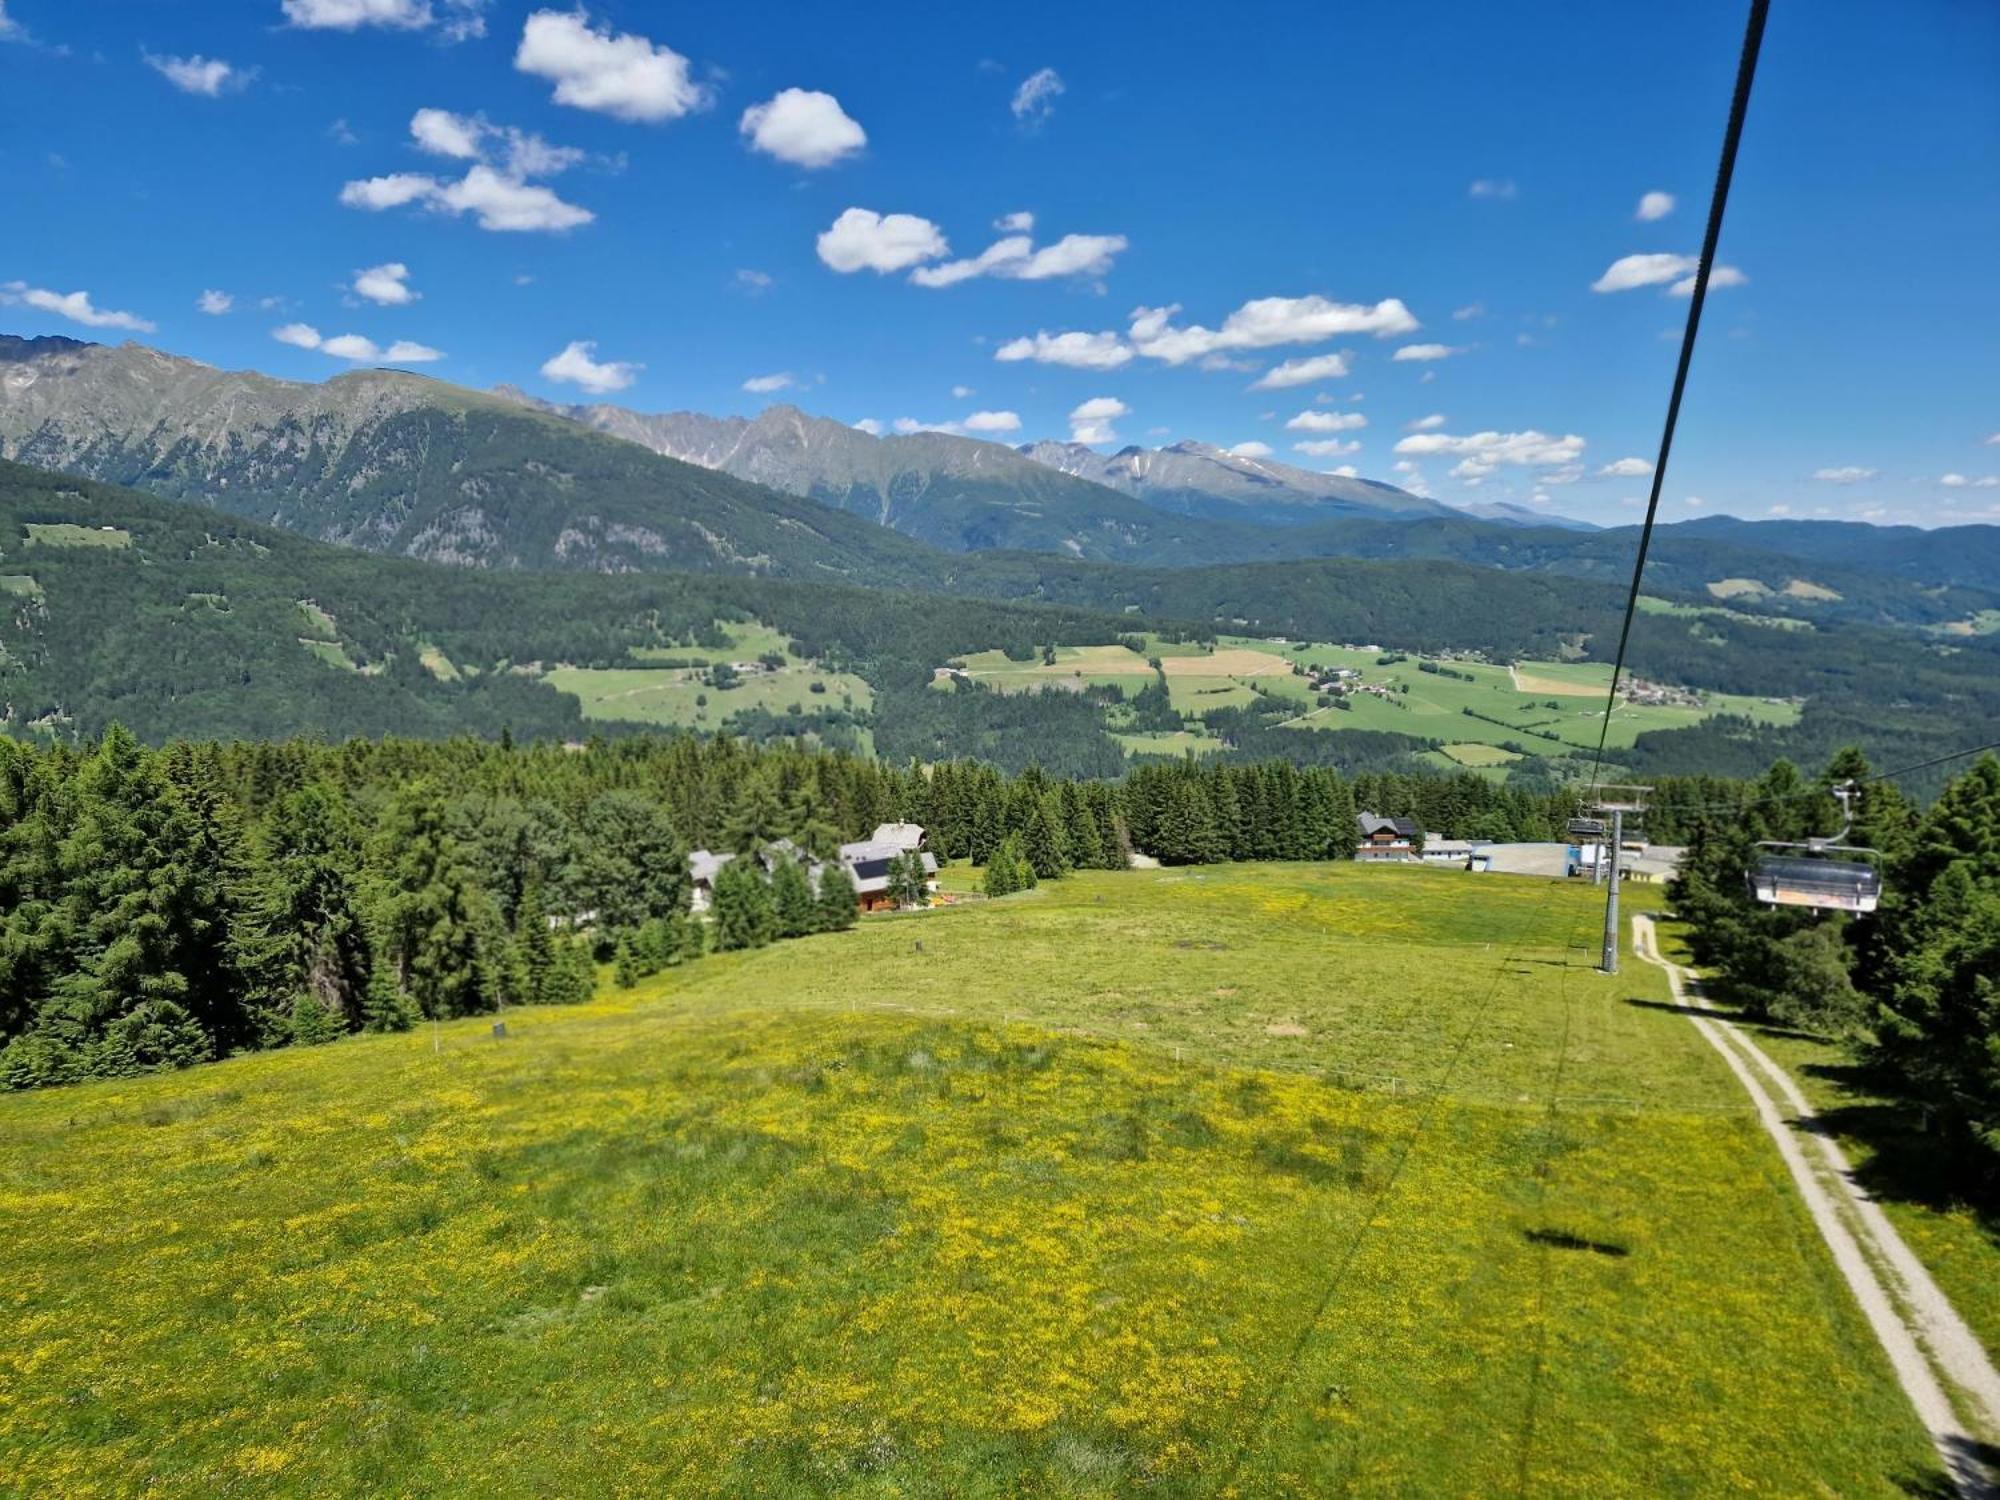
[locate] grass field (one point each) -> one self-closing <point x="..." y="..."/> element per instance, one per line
<point x="69" y="534"/>
<point x="1251" y="1180"/>
<point x="1241" y="670"/>
<point x="672" y="696"/>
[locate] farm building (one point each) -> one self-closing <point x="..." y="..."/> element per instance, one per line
<point x="1439" y="850"/>
<point x="1387" y="839"/>
<point x="908" y="837"/>
<point x="869" y="864"/>
<point x="703" y="867"/>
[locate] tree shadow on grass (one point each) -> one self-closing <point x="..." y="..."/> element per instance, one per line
<point x="1757" y="1028"/>
<point x="1969" y="1453"/>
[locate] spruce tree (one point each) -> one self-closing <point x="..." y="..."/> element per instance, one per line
<point x="535" y="943"/>
<point x="791" y="900"/>
<point x="837" y="907"/>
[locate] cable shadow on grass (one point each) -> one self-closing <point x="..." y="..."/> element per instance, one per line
<point x="1562" y="1239"/>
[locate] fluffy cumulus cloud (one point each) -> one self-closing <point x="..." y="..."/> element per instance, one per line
<point x="1480" y="453"/>
<point x="1020" y="222"/>
<point x="805" y="128"/>
<point x="1344" y="471"/>
<point x="623" y="75"/>
<point x="1252" y="449"/>
<point x="1626" y="468"/>
<point x="214" y="303"/>
<point x="386" y="285"/>
<point x="495" y="188"/>
<point x="1718" y="277"/>
<point x="578" y="365"/>
<point x="1423" y="353"/>
<point x="1079" y="351"/>
<point x="1303" y="372"/>
<point x="1430" y="423"/>
<point x="1845" y="474"/>
<point x="1654" y="205"/>
<point x="210" y="77"/>
<point x="1965" y="482"/>
<point x="993" y="421"/>
<point x="763" y="385"/>
<point x="1263" y="323"/>
<point x="1035" y="100"/>
<point x="1327" y="447"/>
<point x="456" y="19"/>
<point x="1015" y="258"/>
<point x="1327" y="421"/>
<point x="863" y="240"/>
<point x="1090" y="421"/>
<point x="1677" y="272"/>
<point x="870" y="426"/>
<point x="355" y="348"/>
<point x="75" y="306"/>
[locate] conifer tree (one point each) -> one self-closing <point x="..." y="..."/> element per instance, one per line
<point x="791" y="900"/>
<point x="743" y="914"/>
<point x="836" y="907"/>
<point x="535" y="944"/>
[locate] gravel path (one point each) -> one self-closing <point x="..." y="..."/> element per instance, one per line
<point x="1936" y="1357"/>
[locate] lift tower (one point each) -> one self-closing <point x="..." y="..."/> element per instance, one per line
<point x="1615" y="802"/>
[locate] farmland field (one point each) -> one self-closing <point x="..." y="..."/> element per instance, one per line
<point x="679" y="696"/>
<point x="1279" y="1179"/>
<point x="1538" y="708"/>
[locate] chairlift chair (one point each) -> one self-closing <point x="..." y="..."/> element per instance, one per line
<point x="1816" y="876"/>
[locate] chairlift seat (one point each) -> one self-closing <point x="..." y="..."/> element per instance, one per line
<point x="1824" y="884"/>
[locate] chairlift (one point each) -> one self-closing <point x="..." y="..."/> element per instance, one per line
<point x="1816" y="876"/>
<point x="1586" y="828"/>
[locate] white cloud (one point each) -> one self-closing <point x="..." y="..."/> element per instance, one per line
<point x="10" y="30"/>
<point x="1430" y="423"/>
<point x="1251" y="450"/>
<point x="214" y="303"/>
<point x="870" y="426"/>
<point x="210" y="77"/>
<point x="1035" y="100"/>
<point x="1846" y="474"/>
<point x="904" y="426"/>
<point x="863" y="240"/>
<point x="507" y="204"/>
<point x="354" y="347"/>
<point x="805" y="128"/>
<point x="764" y="384"/>
<point x="578" y="365"/>
<point x="993" y="421"/>
<point x="1327" y="421"/>
<point x="501" y="203"/>
<point x="1778" y="510"/>
<point x="1654" y="205"/>
<point x="1493" y="187"/>
<point x="385" y="285"/>
<point x="458" y="19"/>
<point x="1327" y="448"/>
<point x="1630" y="271"/>
<point x="1345" y="471"/>
<point x="1080" y="351"/>
<point x="443" y="133"/>
<point x="1695" y="501"/>
<point x="1961" y="482"/>
<point x="624" y="75"/>
<point x="1626" y="468"/>
<point x="960" y="392"/>
<point x="1303" y="372"/>
<point x="1421" y="352"/>
<point x="753" y="281"/>
<point x="1016" y="259"/>
<point x="1090" y="421"/>
<point x="1718" y="277"/>
<point x="76" y="306"/>
<point x="1480" y="453"/>
<point x="1470" y="310"/>
<point x="1264" y="322"/>
<point x="1021" y="222"/>
<point x="1992" y="440"/>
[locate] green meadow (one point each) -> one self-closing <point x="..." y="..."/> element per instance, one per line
<point x="1244" y="1180"/>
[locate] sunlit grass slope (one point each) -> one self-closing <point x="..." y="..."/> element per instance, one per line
<point x="1244" y="1180"/>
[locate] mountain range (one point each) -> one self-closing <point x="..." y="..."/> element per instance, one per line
<point x="402" y="463"/>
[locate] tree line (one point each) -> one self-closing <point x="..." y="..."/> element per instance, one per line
<point x="1913" y="988"/>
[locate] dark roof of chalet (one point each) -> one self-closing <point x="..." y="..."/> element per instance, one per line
<point x="1371" y="824"/>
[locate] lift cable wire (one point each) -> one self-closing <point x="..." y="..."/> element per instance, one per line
<point x="1821" y="791"/>
<point x="1739" y="104"/>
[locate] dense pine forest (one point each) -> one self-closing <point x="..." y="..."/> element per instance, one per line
<point x="1914" y="987"/>
<point x="163" y="906"/>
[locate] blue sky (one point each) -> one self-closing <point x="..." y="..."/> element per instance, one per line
<point x="704" y="196"/>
